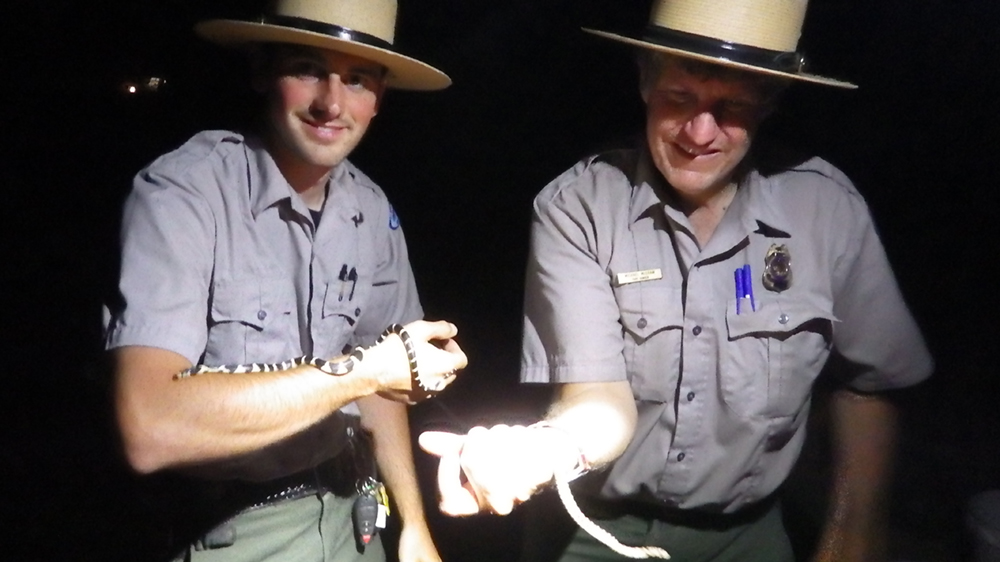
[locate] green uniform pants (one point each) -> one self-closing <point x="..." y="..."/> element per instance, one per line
<point x="310" y="529"/>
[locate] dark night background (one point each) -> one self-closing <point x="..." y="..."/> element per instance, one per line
<point x="532" y="94"/>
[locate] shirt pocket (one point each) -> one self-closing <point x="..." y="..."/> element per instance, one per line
<point x="345" y="302"/>
<point x="652" y="320"/>
<point x="251" y="321"/>
<point x="773" y="356"/>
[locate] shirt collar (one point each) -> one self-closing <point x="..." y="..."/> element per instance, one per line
<point x="267" y="184"/>
<point x="649" y="190"/>
<point x="749" y="212"/>
<point x="340" y="198"/>
<point x="269" y="187"/>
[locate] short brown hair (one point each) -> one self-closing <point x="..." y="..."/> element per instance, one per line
<point x="651" y="65"/>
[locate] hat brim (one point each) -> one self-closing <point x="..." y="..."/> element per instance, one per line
<point x="805" y="77"/>
<point x="404" y="73"/>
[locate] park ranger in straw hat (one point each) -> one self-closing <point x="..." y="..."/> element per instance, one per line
<point x="243" y="253"/>
<point x="683" y="297"/>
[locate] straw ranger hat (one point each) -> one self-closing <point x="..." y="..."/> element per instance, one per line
<point x="755" y="35"/>
<point x="364" y="28"/>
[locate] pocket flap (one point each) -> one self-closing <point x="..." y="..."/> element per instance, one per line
<point x="646" y="311"/>
<point x="344" y="299"/>
<point x="244" y="301"/>
<point x="774" y="318"/>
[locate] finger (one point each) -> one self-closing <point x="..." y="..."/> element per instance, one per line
<point x="441" y="330"/>
<point x="440" y="443"/>
<point x="423" y="330"/>
<point x="525" y="495"/>
<point x="457" y="355"/>
<point x="501" y="505"/>
<point x="456" y="498"/>
<point x="486" y="480"/>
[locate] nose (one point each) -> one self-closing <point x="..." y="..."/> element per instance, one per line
<point x="329" y="98"/>
<point x="702" y="128"/>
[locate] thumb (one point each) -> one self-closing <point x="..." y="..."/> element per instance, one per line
<point x="456" y="497"/>
<point x="439" y="330"/>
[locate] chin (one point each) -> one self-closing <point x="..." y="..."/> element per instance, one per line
<point x="688" y="182"/>
<point x="324" y="157"/>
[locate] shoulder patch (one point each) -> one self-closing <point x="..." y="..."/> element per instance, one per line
<point x="393" y="218"/>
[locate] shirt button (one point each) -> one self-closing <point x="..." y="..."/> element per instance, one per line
<point x="680" y="456"/>
<point x="357" y="312"/>
<point x="690" y="396"/>
<point x="641" y="323"/>
<point x="261" y="315"/>
<point x="783" y="319"/>
<point x="696" y="330"/>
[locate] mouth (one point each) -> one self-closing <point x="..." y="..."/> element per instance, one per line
<point x="325" y="131"/>
<point x="694" y="153"/>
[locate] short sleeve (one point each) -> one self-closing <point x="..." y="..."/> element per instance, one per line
<point x="876" y="336"/>
<point x="166" y="241"/>
<point x="572" y="329"/>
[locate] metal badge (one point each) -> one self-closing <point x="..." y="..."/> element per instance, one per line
<point x="777" y="268"/>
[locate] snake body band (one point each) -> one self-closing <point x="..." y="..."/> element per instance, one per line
<point x="421" y="387"/>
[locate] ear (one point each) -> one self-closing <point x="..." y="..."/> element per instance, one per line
<point x="379" y="94"/>
<point x="644" y="86"/>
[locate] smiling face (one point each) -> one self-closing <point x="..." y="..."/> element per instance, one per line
<point x="320" y="104"/>
<point x="699" y="125"/>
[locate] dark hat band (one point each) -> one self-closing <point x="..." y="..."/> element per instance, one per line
<point x="781" y="61"/>
<point x="335" y="31"/>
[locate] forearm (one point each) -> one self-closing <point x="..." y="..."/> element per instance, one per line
<point x="505" y="465"/>
<point x="864" y="435"/>
<point x="170" y="423"/>
<point x="388" y="423"/>
<point x="597" y="418"/>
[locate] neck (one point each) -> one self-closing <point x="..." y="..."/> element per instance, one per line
<point x="706" y="215"/>
<point x="307" y="180"/>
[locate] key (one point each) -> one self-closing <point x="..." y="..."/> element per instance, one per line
<point x="365" y="515"/>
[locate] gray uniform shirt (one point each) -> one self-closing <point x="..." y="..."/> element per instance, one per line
<point x="722" y="397"/>
<point x="222" y="262"/>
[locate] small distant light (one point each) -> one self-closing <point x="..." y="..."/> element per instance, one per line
<point x="131" y="89"/>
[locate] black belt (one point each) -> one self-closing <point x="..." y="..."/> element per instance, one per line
<point x="600" y="508"/>
<point x="338" y="475"/>
<point x="245" y="497"/>
<point x="202" y="516"/>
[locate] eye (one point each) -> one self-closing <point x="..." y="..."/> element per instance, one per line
<point x="359" y="81"/>
<point x="356" y="81"/>
<point x="739" y="108"/>
<point x="676" y="98"/>
<point x="304" y="69"/>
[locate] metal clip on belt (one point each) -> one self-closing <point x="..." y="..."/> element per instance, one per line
<point x="293" y="492"/>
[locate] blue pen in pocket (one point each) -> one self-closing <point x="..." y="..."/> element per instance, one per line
<point x="738" y="278"/>
<point x="744" y="288"/>
<point x="748" y="286"/>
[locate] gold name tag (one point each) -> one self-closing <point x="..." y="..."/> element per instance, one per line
<point x="636" y="276"/>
